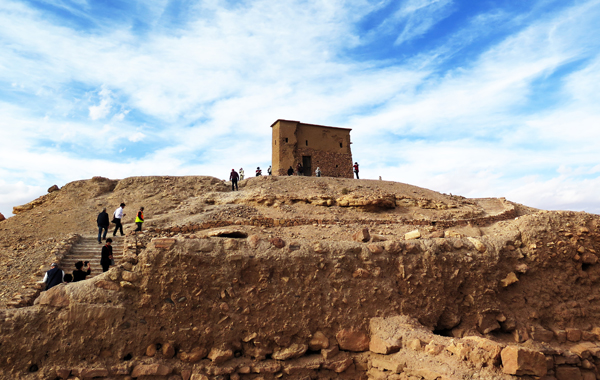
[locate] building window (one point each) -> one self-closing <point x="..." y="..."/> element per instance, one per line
<point x="286" y="139"/>
<point x="340" y="145"/>
<point x="306" y="142"/>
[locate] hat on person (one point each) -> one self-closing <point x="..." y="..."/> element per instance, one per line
<point x="54" y="265"/>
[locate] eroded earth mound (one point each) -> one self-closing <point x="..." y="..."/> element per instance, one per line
<point x="301" y="278"/>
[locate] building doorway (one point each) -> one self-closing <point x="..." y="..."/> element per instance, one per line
<point x="306" y="164"/>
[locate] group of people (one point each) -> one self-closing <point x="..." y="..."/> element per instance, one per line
<point x="56" y="275"/>
<point x="118" y="215"/>
<point x="235" y="177"/>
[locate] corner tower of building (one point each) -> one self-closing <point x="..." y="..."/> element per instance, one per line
<point x="327" y="148"/>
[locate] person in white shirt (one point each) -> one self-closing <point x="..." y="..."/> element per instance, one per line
<point x="318" y="172"/>
<point x="241" y="174"/>
<point x="118" y="215"/>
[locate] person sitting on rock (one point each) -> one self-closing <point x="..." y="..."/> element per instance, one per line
<point x="54" y="276"/>
<point x="291" y="171"/>
<point x="79" y="274"/>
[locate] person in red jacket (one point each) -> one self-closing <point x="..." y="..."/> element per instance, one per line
<point x="233" y="177"/>
<point x="355" y="166"/>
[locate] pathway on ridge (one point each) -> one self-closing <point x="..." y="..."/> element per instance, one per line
<point x="88" y="249"/>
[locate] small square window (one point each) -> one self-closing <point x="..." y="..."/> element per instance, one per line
<point x="341" y="145"/>
<point x="306" y="142"/>
<point x="286" y="139"/>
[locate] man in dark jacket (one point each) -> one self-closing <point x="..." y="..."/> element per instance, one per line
<point x="54" y="276"/>
<point x="106" y="258"/>
<point x="102" y="225"/>
<point x="233" y="177"/>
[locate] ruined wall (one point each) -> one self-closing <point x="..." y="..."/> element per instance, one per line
<point x="223" y="305"/>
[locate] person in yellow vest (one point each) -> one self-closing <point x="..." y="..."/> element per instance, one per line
<point x="139" y="219"/>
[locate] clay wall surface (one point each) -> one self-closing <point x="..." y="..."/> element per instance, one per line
<point x="328" y="147"/>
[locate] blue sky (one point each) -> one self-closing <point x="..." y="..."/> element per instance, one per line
<point x="478" y="98"/>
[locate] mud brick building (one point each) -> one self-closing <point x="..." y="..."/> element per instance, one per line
<point x="327" y="148"/>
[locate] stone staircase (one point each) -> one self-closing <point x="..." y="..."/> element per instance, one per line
<point x="88" y="249"/>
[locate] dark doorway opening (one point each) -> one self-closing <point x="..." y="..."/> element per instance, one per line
<point x="306" y="164"/>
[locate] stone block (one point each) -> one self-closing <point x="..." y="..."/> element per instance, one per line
<point x="415" y="234"/>
<point x="522" y="361"/>
<point x="277" y="242"/>
<point x="589" y="258"/>
<point x="151" y="370"/>
<point x="165" y="243"/>
<point x="586" y="350"/>
<point x="385" y="336"/>
<point x="338" y="364"/>
<point x="388" y="364"/>
<point x="330" y="352"/>
<point x="478" y="244"/>
<point x="90" y="373"/>
<point x="573" y="334"/>
<point x="568" y="373"/>
<point x="129" y="276"/>
<point x="540" y="334"/>
<point x="352" y="340"/>
<point x="510" y="279"/>
<point x="487" y="323"/>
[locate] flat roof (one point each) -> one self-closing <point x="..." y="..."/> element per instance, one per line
<point x="312" y="125"/>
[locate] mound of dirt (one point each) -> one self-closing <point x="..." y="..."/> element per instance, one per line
<point x="302" y="278"/>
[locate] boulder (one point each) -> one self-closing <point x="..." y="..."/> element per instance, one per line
<point x="197" y="354"/>
<point x="168" y="350"/>
<point x="510" y="279"/>
<point x="522" y="361"/>
<point x="291" y="352"/>
<point x="277" y="242"/>
<point x="352" y="340"/>
<point x="2" y="217"/>
<point x="53" y="188"/>
<point x="385" y="337"/>
<point x="589" y="258"/>
<point x="218" y="356"/>
<point x="478" y="244"/>
<point x="362" y="235"/>
<point x="318" y="341"/>
<point x="57" y="297"/>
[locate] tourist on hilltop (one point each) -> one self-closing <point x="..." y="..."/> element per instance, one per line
<point x="355" y="167"/>
<point x="258" y="172"/>
<point x="118" y="216"/>
<point x="290" y="170"/>
<point x="298" y="168"/>
<point x="318" y="172"/>
<point x="79" y="274"/>
<point x="54" y="276"/>
<point x="269" y="170"/>
<point x="106" y="258"/>
<point x="233" y="177"/>
<point x="139" y="219"/>
<point x="103" y="223"/>
<point x="241" y="174"/>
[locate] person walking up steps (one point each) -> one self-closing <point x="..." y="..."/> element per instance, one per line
<point x="355" y="167"/>
<point x="118" y="216"/>
<point x="233" y="177"/>
<point x="139" y="219"/>
<point x="241" y="174"/>
<point x="103" y="224"/>
<point x="106" y="258"/>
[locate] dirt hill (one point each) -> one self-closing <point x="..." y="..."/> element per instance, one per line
<point x="301" y="278"/>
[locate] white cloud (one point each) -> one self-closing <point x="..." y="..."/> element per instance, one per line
<point x="137" y="137"/>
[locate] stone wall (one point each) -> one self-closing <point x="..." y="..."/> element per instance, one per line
<point x="331" y="164"/>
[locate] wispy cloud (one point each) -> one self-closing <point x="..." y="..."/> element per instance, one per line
<point x="500" y="101"/>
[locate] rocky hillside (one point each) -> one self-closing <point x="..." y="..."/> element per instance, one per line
<point x="302" y="278"/>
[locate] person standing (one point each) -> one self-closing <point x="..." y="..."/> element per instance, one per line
<point x="118" y="216"/>
<point x="241" y="174"/>
<point x="233" y="177"/>
<point x="258" y="172"/>
<point x="54" y="276"/>
<point x="106" y="258"/>
<point x="318" y="172"/>
<point x="79" y="274"/>
<point x="139" y="219"/>
<point x="103" y="224"/>
<point x="355" y="166"/>
<point x="269" y="170"/>
<point x="291" y="170"/>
